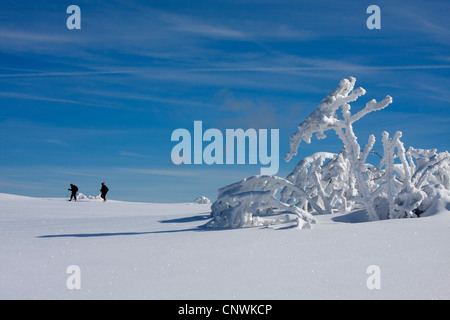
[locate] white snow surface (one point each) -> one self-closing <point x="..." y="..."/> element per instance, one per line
<point x="128" y="250"/>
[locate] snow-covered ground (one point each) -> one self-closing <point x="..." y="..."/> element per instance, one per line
<point x="128" y="250"/>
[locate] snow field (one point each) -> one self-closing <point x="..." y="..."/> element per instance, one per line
<point x="161" y="251"/>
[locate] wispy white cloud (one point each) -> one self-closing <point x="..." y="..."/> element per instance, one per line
<point x="338" y="66"/>
<point x="61" y="74"/>
<point x="210" y="31"/>
<point x="248" y="30"/>
<point x="21" y="129"/>
<point x="56" y="142"/>
<point x="24" y="96"/>
<point x="133" y="154"/>
<point x="16" y="35"/>
<point x="427" y="18"/>
<point x="130" y="154"/>
<point x="17" y="95"/>
<point x="246" y="113"/>
<point x="161" y="172"/>
<point x="201" y="173"/>
<point x="148" y="97"/>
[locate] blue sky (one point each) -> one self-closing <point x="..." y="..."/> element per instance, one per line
<point x="100" y="103"/>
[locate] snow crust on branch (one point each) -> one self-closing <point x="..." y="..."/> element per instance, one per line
<point x="324" y="117"/>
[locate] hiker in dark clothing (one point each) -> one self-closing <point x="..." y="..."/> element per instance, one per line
<point x="104" y="190"/>
<point x="74" y="190"/>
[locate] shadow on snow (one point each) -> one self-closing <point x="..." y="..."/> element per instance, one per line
<point x="195" y="218"/>
<point x="353" y="217"/>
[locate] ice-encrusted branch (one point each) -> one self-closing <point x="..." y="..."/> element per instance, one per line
<point x="371" y="106"/>
<point x="325" y="118"/>
<point x="252" y="202"/>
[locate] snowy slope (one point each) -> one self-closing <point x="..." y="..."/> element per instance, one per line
<point x="160" y="251"/>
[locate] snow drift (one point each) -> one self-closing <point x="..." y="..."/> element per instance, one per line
<point x="202" y="200"/>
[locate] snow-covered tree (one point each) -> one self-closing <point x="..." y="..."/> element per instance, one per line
<point x="404" y="184"/>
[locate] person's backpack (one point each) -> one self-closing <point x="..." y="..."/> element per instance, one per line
<point x="75" y="188"/>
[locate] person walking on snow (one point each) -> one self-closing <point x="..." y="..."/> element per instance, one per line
<point x="74" y="190"/>
<point x="104" y="190"/>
